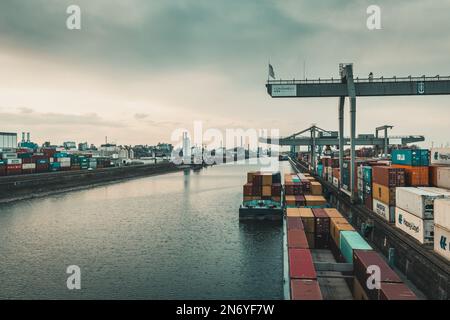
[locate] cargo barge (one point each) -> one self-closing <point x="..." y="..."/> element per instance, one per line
<point x="428" y="270"/>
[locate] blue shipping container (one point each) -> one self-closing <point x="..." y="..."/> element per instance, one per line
<point x="411" y="157"/>
<point x="349" y="241"/>
<point x="367" y="174"/>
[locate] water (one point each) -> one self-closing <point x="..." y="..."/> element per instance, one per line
<point x="174" y="236"/>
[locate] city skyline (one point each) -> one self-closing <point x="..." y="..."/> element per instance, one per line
<point x="136" y="75"/>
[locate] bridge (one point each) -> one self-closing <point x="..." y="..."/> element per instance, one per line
<point x="348" y="86"/>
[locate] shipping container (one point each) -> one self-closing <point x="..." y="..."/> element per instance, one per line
<point x="440" y="156"/>
<point x="358" y="291"/>
<point x="442" y="241"/>
<point x="305" y="289"/>
<point x="411" y="157"/>
<point x="316" y="188"/>
<point x="388" y="176"/>
<point x="294" y="223"/>
<point x="442" y="213"/>
<point x="315" y="200"/>
<point x="416" y="201"/>
<point x="441" y="191"/>
<point x="362" y="260"/>
<point x="336" y="226"/>
<point x="13" y="161"/>
<point x="384" y="211"/>
<point x="333" y="213"/>
<point x="419" y="229"/>
<point x="308" y="219"/>
<point x="301" y="264"/>
<point x="443" y="177"/>
<point x="349" y="241"/>
<point x="395" y="291"/>
<point x="415" y="175"/>
<point x="384" y="194"/>
<point x="297" y="239"/>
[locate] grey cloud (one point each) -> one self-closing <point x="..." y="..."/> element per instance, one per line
<point x="140" y="116"/>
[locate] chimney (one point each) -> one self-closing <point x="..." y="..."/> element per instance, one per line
<point x="23" y="136"/>
<point x="28" y="137"/>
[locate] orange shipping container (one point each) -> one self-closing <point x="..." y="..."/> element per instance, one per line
<point x="336" y="227"/>
<point x="336" y="173"/>
<point x="266" y="191"/>
<point x="384" y="194"/>
<point x="315" y="200"/>
<point x="333" y="213"/>
<point x="267" y="179"/>
<point x="415" y="176"/>
<point x="308" y="219"/>
<point x="290" y="200"/>
<point x="292" y="212"/>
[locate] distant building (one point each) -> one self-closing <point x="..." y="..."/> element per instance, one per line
<point x="70" y="145"/>
<point x="8" y="140"/>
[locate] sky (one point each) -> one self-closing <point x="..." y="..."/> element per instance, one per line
<point x="140" y="69"/>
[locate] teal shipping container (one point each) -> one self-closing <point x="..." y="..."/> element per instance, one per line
<point x="367" y="174"/>
<point x="411" y="157"/>
<point x="320" y="170"/>
<point x="55" y="166"/>
<point x="61" y="155"/>
<point x="349" y="241"/>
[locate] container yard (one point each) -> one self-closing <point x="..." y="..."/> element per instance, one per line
<point x="401" y="207"/>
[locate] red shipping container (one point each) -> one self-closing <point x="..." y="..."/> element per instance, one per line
<point x="248" y="188"/>
<point x="362" y="259"/>
<point x="368" y="201"/>
<point x="395" y="291"/>
<point x="304" y="289"/>
<point x="276" y="190"/>
<point x="321" y="221"/>
<point x="256" y="189"/>
<point x="300" y="201"/>
<point x="294" y="223"/>
<point x="301" y="265"/>
<point x="297" y="239"/>
<point x="388" y="176"/>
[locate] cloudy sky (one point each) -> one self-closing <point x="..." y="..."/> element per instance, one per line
<point x="139" y="69"/>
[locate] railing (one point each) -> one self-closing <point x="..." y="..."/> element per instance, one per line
<point x="360" y="80"/>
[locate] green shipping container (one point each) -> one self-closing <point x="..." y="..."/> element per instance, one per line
<point x="349" y="241"/>
<point x="411" y="157"/>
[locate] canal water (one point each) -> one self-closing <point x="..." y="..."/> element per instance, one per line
<point x="173" y="236"/>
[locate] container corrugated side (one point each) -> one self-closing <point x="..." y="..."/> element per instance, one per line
<point x="383" y="210"/>
<point x="416" y="201"/>
<point x="301" y="264"/>
<point x="442" y="213"/>
<point x="305" y="289"/>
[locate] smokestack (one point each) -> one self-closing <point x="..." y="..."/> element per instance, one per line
<point x="28" y="137"/>
<point x="23" y="136"/>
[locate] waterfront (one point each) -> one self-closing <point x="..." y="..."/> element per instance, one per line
<point x="173" y="236"/>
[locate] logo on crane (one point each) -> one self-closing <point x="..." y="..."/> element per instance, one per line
<point x="421" y="87"/>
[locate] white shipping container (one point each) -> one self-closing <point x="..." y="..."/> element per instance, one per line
<point x="443" y="177"/>
<point x="416" y="201"/>
<point x="65" y="164"/>
<point x="8" y="155"/>
<point x="63" y="160"/>
<point x="441" y="241"/>
<point x="421" y="230"/>
<point x="444" y="192"/>
<point x="442" y="213"/>
<point x="440" y="156"/>
<point x="13" y="161"/>
<point x="384" y="211"/>
<point x="27" y="166"/>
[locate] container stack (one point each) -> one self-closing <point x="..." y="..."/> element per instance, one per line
<point x="414" y="213"/>
<point x="263" y="186"/>
<point x="385" y="181"/>
<point x="415" y="162"/>
<point x="302" y="274"/>
<point x="302" y="190"/>
<point x="321" y="229"/>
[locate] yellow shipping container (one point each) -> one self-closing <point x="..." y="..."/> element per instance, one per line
<point x="316" y="188"/>
<point x="333" y="213"/>
<point x="315" y="200"/>
<point x="290" y="200"/>
<point x="383" y="194"/>
<point x="293" y="212"/>
<point x="336" y="226"/>
<point x="266" y="191"/>
<point x="308" y="219"/>
<point x="267" y="179"/>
